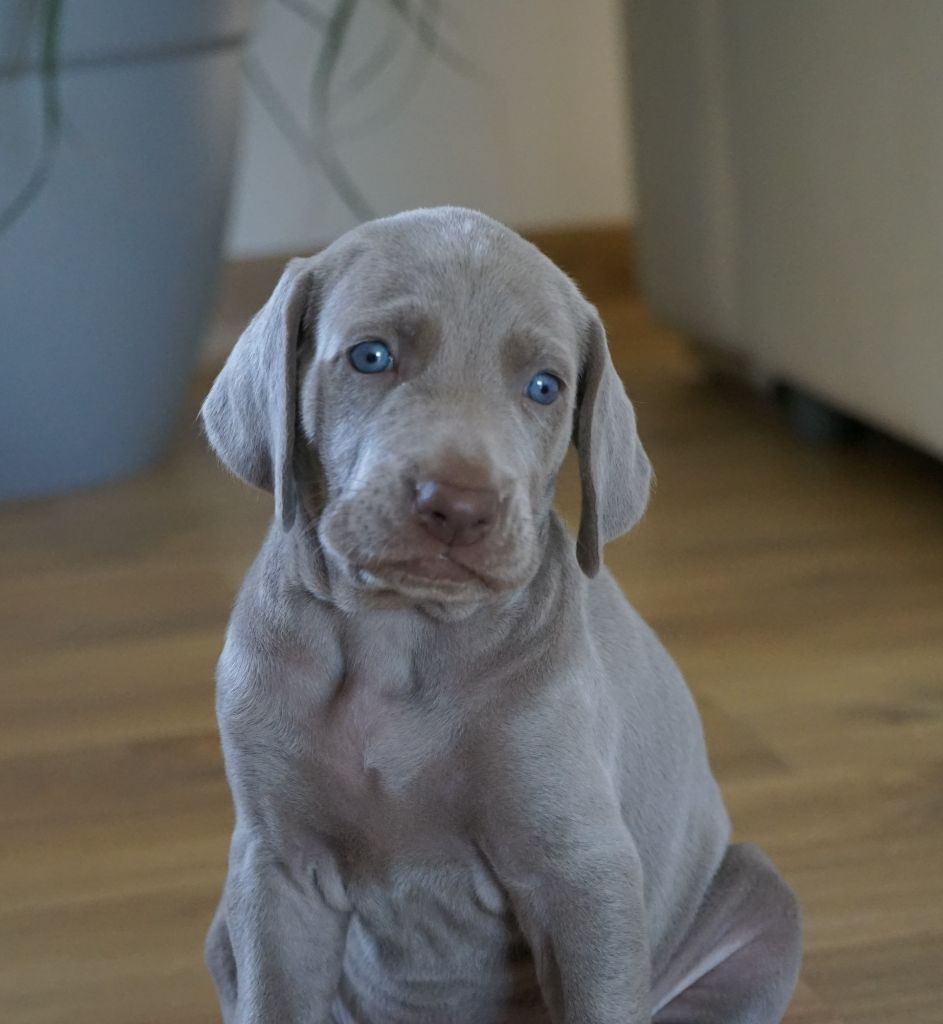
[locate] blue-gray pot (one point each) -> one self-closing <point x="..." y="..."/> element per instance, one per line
<point x="108" y="277"/>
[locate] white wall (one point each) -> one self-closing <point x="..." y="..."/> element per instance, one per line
<point x="537" y="138"/>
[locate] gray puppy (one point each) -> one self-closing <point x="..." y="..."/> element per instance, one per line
<point x="470" y="784"/>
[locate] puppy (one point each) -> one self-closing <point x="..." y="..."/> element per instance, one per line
<point x="470" y="784"/>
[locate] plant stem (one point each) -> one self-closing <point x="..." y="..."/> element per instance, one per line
<point x="51" y="15"/>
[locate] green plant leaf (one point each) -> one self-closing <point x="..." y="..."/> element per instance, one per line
<point x="50" y="20"/>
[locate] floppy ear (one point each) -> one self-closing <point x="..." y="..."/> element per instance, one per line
<point x="615" y="474"/>
<point x="249" y="414"/>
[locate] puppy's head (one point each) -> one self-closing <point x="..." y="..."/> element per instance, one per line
<point x="413" y="389"/>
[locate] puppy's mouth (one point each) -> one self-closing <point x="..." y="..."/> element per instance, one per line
<point x="440" y="570"/>
<point x="435" y="568"/>
<point x="400" y="560"/>
<point x="440" y="577"/>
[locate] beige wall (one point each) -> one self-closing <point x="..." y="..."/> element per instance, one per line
<point x="537" y="139"/>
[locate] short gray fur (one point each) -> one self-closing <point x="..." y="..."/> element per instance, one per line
<point x="461" y="802"/>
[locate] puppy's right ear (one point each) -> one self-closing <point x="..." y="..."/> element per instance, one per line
<point x="249" y="414"/>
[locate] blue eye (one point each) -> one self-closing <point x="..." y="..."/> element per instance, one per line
<point x="544" y="388"/>
<point x="370" y="356"/>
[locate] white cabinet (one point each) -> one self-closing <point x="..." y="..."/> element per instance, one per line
<point x="790" y="179"/>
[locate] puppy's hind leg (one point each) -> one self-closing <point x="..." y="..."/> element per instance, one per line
<point x="740" y="962"/>
<point x="222" y="963"/>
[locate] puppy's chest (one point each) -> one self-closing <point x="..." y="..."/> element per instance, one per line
<point x="388" y="757"/>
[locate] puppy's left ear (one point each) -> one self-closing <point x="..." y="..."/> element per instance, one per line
<point x="615" y="474"/>
<point x="249" y="414"/>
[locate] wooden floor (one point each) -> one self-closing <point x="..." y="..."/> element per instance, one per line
<point x="801" y="592"/>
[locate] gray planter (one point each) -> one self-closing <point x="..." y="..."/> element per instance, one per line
<point x="107" y="281"/>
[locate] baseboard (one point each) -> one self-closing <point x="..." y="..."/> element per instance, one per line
<point x="599" y="257"/>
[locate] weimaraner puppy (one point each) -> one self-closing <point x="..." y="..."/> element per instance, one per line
<point x="470" y="785"/>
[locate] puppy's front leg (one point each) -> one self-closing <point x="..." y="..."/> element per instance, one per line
<point x="575" y="884"/>
<point x="586" y="927"/>
<point x="287" y="942"/>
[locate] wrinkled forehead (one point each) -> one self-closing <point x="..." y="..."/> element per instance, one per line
<point x="475" y="284"/>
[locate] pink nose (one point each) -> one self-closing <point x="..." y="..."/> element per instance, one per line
<point x="455" y="515"/>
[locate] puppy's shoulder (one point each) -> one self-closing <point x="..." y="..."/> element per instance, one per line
<point x="634" y="659"/>
<point x="279" y="639"/>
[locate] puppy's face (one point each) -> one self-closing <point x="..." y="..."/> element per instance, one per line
<point x="414" y="388"/>
<point x="439" y="401"/>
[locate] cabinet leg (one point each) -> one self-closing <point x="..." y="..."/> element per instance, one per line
<point x="815" y="422"/>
